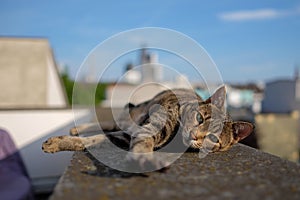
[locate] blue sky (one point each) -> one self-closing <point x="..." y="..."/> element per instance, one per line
<point x="257" y="40"/>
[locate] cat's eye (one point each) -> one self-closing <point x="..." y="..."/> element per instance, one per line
<point x="213" y="138"/>
<point x="199" y="118"/>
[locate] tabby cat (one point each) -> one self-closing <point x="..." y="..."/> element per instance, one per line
<point x="202" y="124"/>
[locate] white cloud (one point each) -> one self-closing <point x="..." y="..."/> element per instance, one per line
<point x="259" y="14"/>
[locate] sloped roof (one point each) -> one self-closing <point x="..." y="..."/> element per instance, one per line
<point x="28" y="74"/>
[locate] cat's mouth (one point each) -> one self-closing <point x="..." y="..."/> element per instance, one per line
<point x="190" y="140"/>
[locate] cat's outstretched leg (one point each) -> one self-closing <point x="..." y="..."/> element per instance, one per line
<point x="72" y="143"/>
<point x="69" y="143"/>
<point x="93" y="128"/>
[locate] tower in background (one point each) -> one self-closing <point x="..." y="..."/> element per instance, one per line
<point x="147" y="70"/>
<point x="150" y="68"/>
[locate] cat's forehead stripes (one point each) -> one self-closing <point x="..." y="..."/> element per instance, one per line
<point x="205" y="110"/>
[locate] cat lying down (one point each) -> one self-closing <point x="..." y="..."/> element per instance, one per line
<point x="146" y="127"/>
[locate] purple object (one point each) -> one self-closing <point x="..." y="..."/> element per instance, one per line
<point x="14" y="179"/>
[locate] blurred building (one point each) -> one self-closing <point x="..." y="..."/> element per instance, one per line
<point x="278" y="124"/>
<point x="245" y="97"/>
<point x="282" y="96"/>
<point x="28" y="75"/>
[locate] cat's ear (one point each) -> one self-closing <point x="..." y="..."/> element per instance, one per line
<point x="218" y="98"/>
<point x="241" y="130"/>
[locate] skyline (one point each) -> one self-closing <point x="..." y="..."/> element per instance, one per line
<point x="249" y="41"/>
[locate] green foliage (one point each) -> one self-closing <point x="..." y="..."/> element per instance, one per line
<point x="68" y="83"/>
<point x="84" y="91"/>
<point x="100" y="92"/>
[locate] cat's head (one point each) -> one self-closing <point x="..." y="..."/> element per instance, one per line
<point x="206" y="125"/>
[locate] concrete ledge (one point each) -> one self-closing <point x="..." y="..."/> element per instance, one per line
<point x="240" y="173"/>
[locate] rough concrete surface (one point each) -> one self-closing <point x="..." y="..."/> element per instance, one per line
<point x="240" y="173"/>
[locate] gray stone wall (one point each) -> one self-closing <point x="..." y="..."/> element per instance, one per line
<point x="240" y="173"/>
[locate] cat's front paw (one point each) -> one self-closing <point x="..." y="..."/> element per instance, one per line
<point x="52" y="145"/>
<point x="63" y="143"/>
<point x="146" y="162"/>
